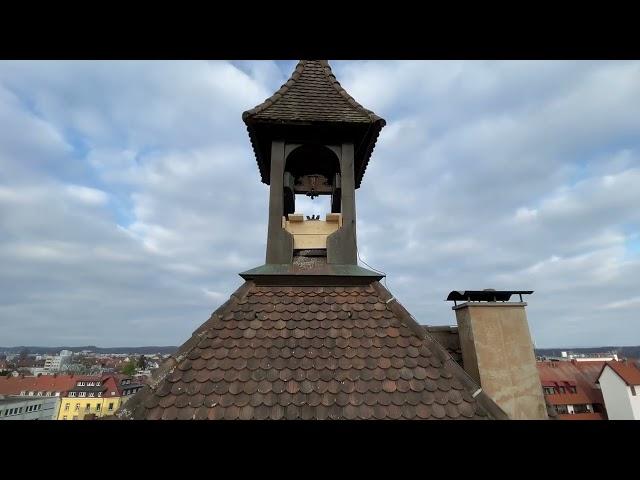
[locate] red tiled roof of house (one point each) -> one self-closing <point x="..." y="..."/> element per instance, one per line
<point x="43" y="383"/>
<point x="582" y="375"/>
<point x="627" y="371"/>
<point x="112" y="386"/>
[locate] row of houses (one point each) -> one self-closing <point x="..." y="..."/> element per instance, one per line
<point x="591" y="389"/>
<point x="64" y="397"/>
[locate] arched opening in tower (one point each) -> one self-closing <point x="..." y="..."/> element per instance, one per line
<point x="312" y="190"/>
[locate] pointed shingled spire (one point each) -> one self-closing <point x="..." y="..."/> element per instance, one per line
<point x="313" y="96"/>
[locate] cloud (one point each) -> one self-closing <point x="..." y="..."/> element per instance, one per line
<point x="130" y="197"/>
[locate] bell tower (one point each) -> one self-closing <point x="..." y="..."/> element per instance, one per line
<point x="312" y="138"/>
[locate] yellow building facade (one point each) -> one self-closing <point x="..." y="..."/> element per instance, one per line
<point x="99" y="397"/>
<point x="74" y="408"/>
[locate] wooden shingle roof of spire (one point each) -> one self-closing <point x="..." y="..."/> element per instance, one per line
<point x="313" y="96"/>
<point x="311" y="352"/>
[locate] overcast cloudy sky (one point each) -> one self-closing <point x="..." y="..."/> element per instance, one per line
<point x="130" y="197"/>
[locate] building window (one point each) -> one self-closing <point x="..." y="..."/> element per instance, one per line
<point x="549" y="390"/>
<point x="97" y="407"/>
<point x="111" y="406"/>
<point x="562" y="409"/>
<point x="48" y="394"/>
<point x="82" y="394"/>
<point x="66" y="407"/>
<point x="23" y="393"/>
<point x="77" y="407"/>
<point x="20" y="410"/>
<point x="580" y="409"/>
<point x="39" y="394"/>
<point x="91" y="394"/>
<point x="88" y="407"/>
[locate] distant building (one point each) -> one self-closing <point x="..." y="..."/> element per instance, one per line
<point x="128" y="387"/>
<point x="95" y="397"/>
<point x="620" y="384"/>
<point x="571" y="388"/>
<point x="55" y="363"/>
<point x="29" y="408"/>
<point x="42" y="386"/>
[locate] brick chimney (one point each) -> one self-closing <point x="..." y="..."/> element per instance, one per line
<point x="497" y="350"/>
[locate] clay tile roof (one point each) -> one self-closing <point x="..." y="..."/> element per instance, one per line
<point x="582" y="375"/>
<point x="43" y="383"/>
<point x="448" y="337"/>
<point x="626" y="371"/>
<point x="312" y="95"/>
<point x="311" y="352"/>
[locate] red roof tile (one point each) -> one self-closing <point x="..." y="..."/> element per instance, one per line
<point x="582" y="375"/>
<point x="43" y="383"/>
<point x="627" y="371"/>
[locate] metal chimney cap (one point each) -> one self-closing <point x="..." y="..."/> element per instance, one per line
<point x="487" y="295"/>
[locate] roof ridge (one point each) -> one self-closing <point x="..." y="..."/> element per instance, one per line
<point x="278" y="94"/>
<point x="340" y="89"/>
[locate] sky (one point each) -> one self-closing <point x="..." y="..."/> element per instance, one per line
<point x="130" y="197"/>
